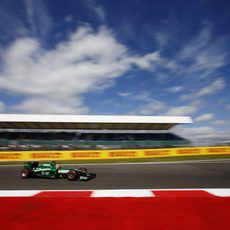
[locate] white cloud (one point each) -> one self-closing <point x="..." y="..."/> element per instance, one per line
<point x="142" y="96"/>
<point x="222" y="122"/>
<point x="227" y="106"/>
<point x="88" y="61"/>
<point x="175" y="89"/>
<point x="197" y="132"/>
<point x="202" y="135"/>
<point x="51" y="106"/>
<point x="197" y="102"/>
<point x="97" y="9"/>
<point x="124" y="94"/>
<point x="30" y="18"/>
<point x="205" y="117"/>
<point x="58" y="35"/>
<point x="161" y="38"/>
<point x="2" y="106"/>
<point x="181" y="110"/>
<point x="10" y="25"/>
<point x="200" y="57"/>
<point x="161" y="78"/>
<point x="109" y="101"/>
<point x="151" y="108"/>
<point x="69" y="18"/>
<point x="38" y="17"/>
<point x="197" y="43"/>
<point x="212" y="88"/>
<point x="146" y="61"/>
<point x="204" y="54"/>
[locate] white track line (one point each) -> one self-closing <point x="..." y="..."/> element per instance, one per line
<point x="123" y="193"/>
<point x="18" y="193"/>
<point x="220" y="192"/>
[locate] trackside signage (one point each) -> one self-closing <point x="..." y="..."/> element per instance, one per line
<point x="122" y="154"/>
<point x="218" y="150"/>
<point x="89" y="154"/>
<point x="194" y="151"/>
<point x="157" y="152"/>
<point x="110" y="154"/>
<point x="10" y="156"/>
<point x="46" y="155"/>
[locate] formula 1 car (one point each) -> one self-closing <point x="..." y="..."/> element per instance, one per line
<point x="53" y="170"/>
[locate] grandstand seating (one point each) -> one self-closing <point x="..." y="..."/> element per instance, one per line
<point x="89" y="140"/>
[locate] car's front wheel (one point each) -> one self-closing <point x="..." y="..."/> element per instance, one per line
<point x="71" y="175"/>
<point x="25" y="173"/>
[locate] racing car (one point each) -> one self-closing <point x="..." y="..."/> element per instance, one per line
<point x="54" y="170"/>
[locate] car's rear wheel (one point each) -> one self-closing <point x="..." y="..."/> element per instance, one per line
<point x="25" y="173"/>
<point x="83" y="170"/>
<point x="71" y="175"/>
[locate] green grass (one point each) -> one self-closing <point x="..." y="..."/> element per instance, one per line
<point x="159" y="159"/>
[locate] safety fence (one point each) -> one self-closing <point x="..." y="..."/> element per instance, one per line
<point x="111" y="154"/>
<point x="30" y="145"/>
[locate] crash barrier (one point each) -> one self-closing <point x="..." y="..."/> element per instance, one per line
<point x="111" y="154"/>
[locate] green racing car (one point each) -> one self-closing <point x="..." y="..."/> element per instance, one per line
<point x="54" y="170"/>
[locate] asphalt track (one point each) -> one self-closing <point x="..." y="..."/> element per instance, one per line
<point x="199" y="174"/>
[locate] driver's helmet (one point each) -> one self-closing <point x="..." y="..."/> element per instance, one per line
<point x="58" y="166"/>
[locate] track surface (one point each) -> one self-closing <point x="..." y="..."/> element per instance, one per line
<point x="215" y="174"/>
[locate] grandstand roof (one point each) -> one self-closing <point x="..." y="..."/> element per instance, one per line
<point x="90" y="122"/>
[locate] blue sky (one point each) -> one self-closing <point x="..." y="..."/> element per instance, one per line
<point x="128" y="57"/>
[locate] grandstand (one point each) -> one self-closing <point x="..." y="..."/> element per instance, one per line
<point x="51" y="132"/>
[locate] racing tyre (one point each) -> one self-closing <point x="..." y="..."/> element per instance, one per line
<point x="83" y="170"/>
<point x="71" y="175"/>
<point x="25" y="173"/>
